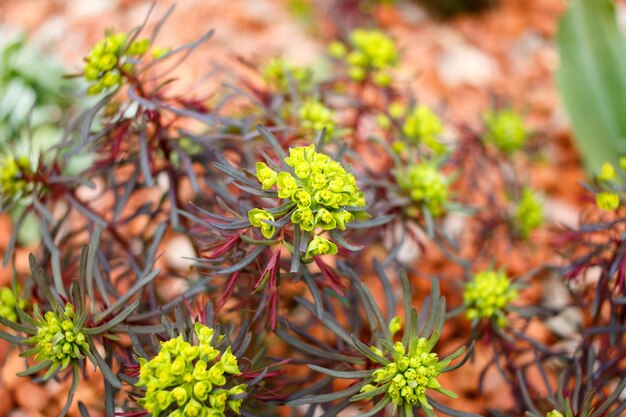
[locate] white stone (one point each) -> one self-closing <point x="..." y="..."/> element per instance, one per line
<point x="454" y="225"/>
<point x="179" y="253"/>
<point x="83" y="8"/>
<point x="561" y="213"/>
<point x="410" y="249"/>
<point x="463" y="64"/>
<point x="556" y="295"/>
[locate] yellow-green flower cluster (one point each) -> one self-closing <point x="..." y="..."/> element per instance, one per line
<point x="320" y="189"/>
<point x="607" y="173"/>
<point x="106" y="63"/>
<point x="9" y="302"/>
<point x="314" y="115"/>
<point x="529" y="213"/>
<point x="282" y="73"/>
<point x="608" y="199"/>
<point x="373" y="53"/>
<point x="426" y="184"/>
<point x="487" y="295"/>
<point x="505" y="130"/>
<point x="57" y="339"/>
<point x="186" y="380"/>
<point x="554" y="413"/>
<point x="320" y="246"/>
<point x="258" y="218"/>
<point x="410" y="374"/>
<point x="422" y="125"/>
<point x="13" y="172"/>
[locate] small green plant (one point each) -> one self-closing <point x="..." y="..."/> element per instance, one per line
<point x="14" y="178"/>
<point x="371" y="57"/>
<point x="422" y="125"/>
<point x="426" y="184"/>
<point x="285" y="76"/>
<point x="59" y="339"/>
<point x="505" y="130"/>
<point x="35" y="98"/>
<point x="528" y="215"/>
<point x="68" y="333"/>
<point x="412" y="372"/>
<point x="488" y="296"/>
<point x="113" y="59"/>
<point x="315" y="117"/>
<point x="10" y="301"/>
<point x="400" y="370"/>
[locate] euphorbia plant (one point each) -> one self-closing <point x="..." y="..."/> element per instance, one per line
<point x="300" y="202"/>
<point x="388" y="369"/>
<point x="68" y="333"/>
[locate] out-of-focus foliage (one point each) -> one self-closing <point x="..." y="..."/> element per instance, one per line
<point x="592" y="81"/>
<point x="33" y="92"/>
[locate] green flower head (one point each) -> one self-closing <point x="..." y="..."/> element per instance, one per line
<point x="189" y="380"/>
<point x="554" y="413"/>
<point x="13" y="176"/>
<point x="284" y="75"/>
<point x="304" y="218"/>
<point x="314" y="115"/>
<point x="325" y="219"/>
<point x="59" y="338"/>
<point x="302" y="198"/>
<point x="607" y="172"/>
<point x="321" y="190"/>
<point x="107" y="64"/>
<point x="399" y="370"/>
<point x="287" y="185"/>
<point x="320" y="246"/>
<point x="9" y="302"/>
<point x="257" y="218"/>
<point x="488" y="295"/>
<point x="374" y="53"/>
<point x="607" y="201"/>
<point x="529" y="213"/>
<point x="413" y="371"/>
<point x="422" y="125"/>
<point x="395" y="325"/>
<point x="505" y="130"/>
<point x="266" y="176"/>
<point x="337" y="49"/>
<point x="426" y="184"/>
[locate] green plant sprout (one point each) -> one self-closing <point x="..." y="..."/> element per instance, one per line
<point x="528" y="215"/>
<point x="9" y="302"/>
<point x="505" y="130"/>
<point x="315" y="116"/>
<point x="373" y="54"/>
<point x="426" y="184"/>
<point x="113" y="59"/>
<point x="422" y="125"/>
<point x="14" y="173"/>
<point x="488" y="296"/>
